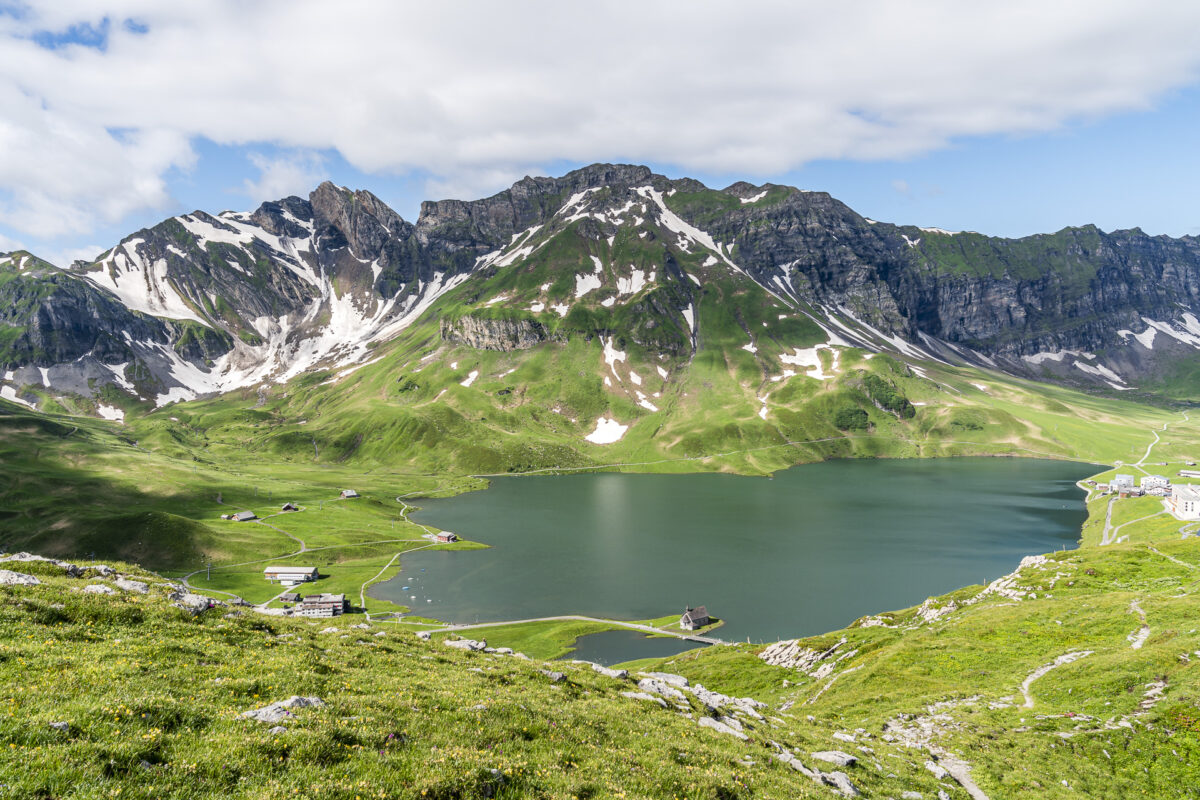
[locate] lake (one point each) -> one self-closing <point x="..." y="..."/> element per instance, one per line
<point x="807" y="551"/>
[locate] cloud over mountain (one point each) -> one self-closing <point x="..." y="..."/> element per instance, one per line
<point x="102" y="100"/>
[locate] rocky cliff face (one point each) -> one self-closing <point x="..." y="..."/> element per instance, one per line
<point x="201" y="303"/>
<point x="496" y="334"/>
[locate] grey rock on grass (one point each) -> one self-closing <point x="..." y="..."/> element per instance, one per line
<point x="282" y="710"/>
<point x="10" y="578"/>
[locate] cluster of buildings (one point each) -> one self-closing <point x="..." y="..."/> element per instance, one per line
<point x="309" y="605"/>
<point x="1126" y="485"/>
<point x="1182" y="499"/>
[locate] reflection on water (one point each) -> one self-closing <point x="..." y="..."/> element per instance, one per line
<point x="806" y="552"/>
<point x="615" y="647"/>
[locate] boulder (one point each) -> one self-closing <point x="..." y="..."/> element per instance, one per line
<point x="192" y="603"/>
<point x="62" y="727"/>
<point x="667" y="677"/>
<point x="98" y="588"/>
<point x="466" y="644"/>
<point x="841" y="782"/>
<point x="282" y="710"/>
<point x="103" y="570"/>
<point x="721" y="727"/>
<point x="10" y="578"/>
<point x="605" y="671"/>
<point x="555" y="677"/>
<point x="836" y="757"/>
<point x="424" y="635"/>
<point x="131" y="586"/>
<point x="653" y="686"/>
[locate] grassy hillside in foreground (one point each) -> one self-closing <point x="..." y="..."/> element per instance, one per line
<point x="152" y="699"/>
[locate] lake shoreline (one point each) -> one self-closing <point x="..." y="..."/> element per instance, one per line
<point x="935" y="466"/>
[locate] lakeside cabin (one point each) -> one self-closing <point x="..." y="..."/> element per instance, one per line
<point x="349" y="494"/>
<point x="445" y="537"/>
<point x="289" y="575"/>
<point x="322" y="605"/>
<point x="694" y="618"/>
<point x="243" y="516"/>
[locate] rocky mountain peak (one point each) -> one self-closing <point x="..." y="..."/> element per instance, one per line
<point x="286" y="217"/>
<point x="358" y="218"/>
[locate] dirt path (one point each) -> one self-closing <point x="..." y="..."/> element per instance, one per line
<point x="1138" y="637"/>
<point x="1104" y="537"/>
<point x="1116" y="538"/>
<point x="296" y="539"/>
<point x="1066" y="658"/>
<point x="1157" y="439"/>
<point x="1170" y="558"/>
<point x="362" y="590"/>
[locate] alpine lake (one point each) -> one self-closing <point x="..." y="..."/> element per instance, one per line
<point x="806" y="551"/>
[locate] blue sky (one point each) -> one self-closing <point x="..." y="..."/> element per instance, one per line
<point x="119" y="114"/>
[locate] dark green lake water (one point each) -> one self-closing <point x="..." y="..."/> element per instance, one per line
<point x="808" y="551"/>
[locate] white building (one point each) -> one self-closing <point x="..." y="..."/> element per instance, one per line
<point x="322" y="605"/>
<point x="1154" y="482"/>
<point x="290" y="576"/>
<point x="1184" y="501"/>
<point x="1121" y="483"/>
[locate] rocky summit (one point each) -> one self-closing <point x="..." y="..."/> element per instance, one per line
<point x="202" y="304"/>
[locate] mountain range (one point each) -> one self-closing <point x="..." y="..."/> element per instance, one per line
<point x="202" y="304"/>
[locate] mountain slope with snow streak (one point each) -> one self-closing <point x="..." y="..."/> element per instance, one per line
<point x="202" y="304"/>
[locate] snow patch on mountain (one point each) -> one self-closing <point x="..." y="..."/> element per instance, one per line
<point x="586" y="282"/>
<point x="140" y="286"/>
<point x="607" y="431"/>
<point x="1111" y="378"/>
<point x="689" y="314"/>
<point x="612" y="355"/>
<point x="110" y="412"/>
<point x="9" y="393"/>
<point x="636" y="281"/>
<point x="810" y="359"/>
<point x="1145" y="338"/>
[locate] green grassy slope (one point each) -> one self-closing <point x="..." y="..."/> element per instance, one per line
<point x="958" y="681"/>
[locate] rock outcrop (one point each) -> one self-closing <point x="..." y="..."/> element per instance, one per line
<point x="496" y="334"/>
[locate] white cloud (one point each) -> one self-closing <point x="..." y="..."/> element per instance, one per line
<point x="282" y="176"/>
<point x="7" y="244"/>
<point x="474" y="91"/>
<point x="67" y="257"/>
